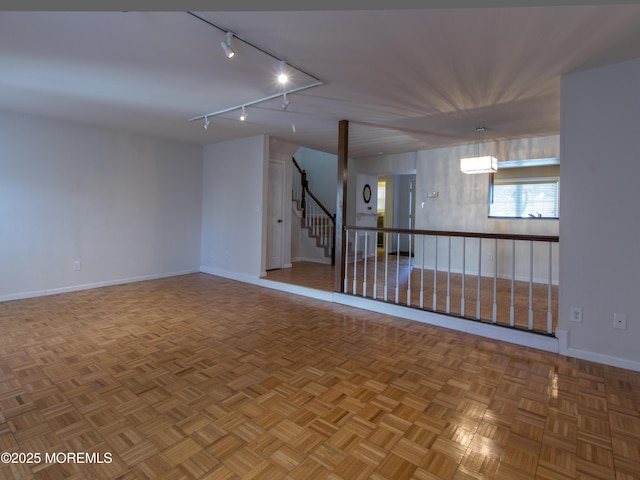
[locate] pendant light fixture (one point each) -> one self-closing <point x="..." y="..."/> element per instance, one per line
<point x="479" y="164"/>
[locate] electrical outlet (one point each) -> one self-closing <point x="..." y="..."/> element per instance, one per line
<point x="77" y="265"/>
<point x="575" y="314"/>
<point x="490" y="256"/>
<point x="620" y="321"/>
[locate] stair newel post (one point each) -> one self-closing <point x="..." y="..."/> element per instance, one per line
<point x="303" y="201"/>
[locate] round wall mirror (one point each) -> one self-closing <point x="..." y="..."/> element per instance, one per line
<point x="366" y="193"/>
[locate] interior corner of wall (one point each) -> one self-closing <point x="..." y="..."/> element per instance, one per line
<point x="563" y="341"/>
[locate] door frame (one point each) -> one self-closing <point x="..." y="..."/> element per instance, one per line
<point x="283" y="262"/>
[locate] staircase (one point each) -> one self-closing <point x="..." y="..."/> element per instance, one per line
<point x="318" y="229"/>
<point x="315" y="219"/>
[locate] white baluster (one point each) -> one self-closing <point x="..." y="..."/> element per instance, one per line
<point x="494" y="315"/>
<point x="409" y="277"/>
<point x="398" y="269"/>
<point x="386" y="263"/>
<point x="512" y="309"/>
<point x="346" y="261"/>
<point x="422" y="276"/>
<point x="464" y="256"/>
<point x="364" y="276"/>
<point x="531" y="285"/>
<point x="375" y="266"/>
<point x="549" y="314"/>
<point x="355" y="260"/>
<point x="315" y="219"/>
<point x="435" y="278"/>
<point x="479" y="277"/>
<point x="449" y="279"/>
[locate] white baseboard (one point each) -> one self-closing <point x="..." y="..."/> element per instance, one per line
<point x="527" y="339"/>
<point x="485" y="274"/>
<point x="326" y="261"/>
<point x="297" y="290"/>
<point x="604" y="359"/>
<point x="240" y="277"/>
<point x="261" y="282"/>
<point x="565" y="349"/>
<point x="89" y="286"/>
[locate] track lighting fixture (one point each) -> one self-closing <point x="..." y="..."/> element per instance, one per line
<point x="283" y="78"/>
<point x="226" y="46"/>
<point x="281" y="73"/>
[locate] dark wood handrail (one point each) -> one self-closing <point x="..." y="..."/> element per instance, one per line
<point x="296" y="165"/>
<point x="305" y="186"/>
<point x="324" y="209"/>
<point x="443" y="233"/>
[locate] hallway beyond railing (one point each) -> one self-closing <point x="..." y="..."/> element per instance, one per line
<point x="508" y="280"/>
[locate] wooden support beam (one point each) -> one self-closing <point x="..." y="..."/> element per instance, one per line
<point x="341" y="203"/>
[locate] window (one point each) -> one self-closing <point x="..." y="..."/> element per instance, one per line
<point x="382" y="188"/>
<point x="525" y="192"/>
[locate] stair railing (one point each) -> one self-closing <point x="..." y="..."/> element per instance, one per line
<point x="315" y="216"/>
<point x="504" y="279"/>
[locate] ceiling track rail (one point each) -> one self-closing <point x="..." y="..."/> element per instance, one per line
<point x="252" y="45"/>
<point x="316" y="81"/>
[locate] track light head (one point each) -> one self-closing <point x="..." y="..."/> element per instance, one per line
<point x="226" y="46"/>
<point x="283" y="78"/>
<point x="243" y="115"/>
<point x="285" y="102"/>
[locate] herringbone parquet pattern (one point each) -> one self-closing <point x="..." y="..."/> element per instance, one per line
<point x="198" y="377"/>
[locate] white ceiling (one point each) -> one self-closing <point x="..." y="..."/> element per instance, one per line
<point x="405" y="79"/>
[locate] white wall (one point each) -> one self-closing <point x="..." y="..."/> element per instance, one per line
<point x="463" y="199"/>
<point x="401" y="207"/>
<point x="126" y="206"/>
<point x="600" y="229"/>
<point x="381" y="165"/>
<point x="234" y="180"/>
<point x="462" y="205"/>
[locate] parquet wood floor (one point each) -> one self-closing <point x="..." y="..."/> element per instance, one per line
<point x="199" y="377"/>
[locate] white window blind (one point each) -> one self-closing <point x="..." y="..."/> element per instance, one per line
<point x="525" y="195"/>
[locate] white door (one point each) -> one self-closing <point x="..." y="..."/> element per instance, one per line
<point x="275" y="210"/>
